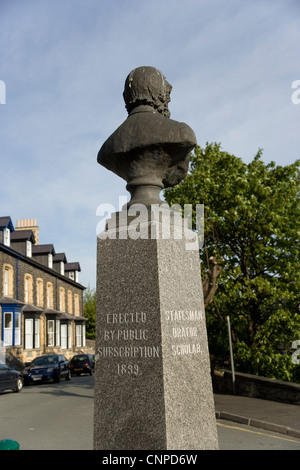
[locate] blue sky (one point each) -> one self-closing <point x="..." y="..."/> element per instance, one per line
<point x="231" y="64"/>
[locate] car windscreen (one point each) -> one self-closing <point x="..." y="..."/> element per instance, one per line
<point x="38" y="361"/>
<point x="80" y="358"/>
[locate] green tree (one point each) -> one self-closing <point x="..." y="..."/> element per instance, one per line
<point x="251" y="227"/>
<point x="89" y="306"/>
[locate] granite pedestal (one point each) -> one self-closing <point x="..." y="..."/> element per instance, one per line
<point x="152" y="376"/>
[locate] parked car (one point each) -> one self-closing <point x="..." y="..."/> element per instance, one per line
<point x="49" y="367"/>
<point x="82" y="363"/>
<point x="10" y="379"/>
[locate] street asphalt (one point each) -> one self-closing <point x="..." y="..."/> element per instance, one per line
<point x="264" y="414"/>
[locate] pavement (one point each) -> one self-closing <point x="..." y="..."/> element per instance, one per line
<point x="264" y="414"/>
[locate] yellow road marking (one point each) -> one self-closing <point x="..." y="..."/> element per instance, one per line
<point x="257" y="432"/>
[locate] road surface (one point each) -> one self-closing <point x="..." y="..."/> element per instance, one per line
<point x="60" y="417"/>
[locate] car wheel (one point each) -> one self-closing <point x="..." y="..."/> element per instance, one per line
<point x="19" y="384"/>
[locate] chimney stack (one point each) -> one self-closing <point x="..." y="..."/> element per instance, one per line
<point x="29" y="224"/>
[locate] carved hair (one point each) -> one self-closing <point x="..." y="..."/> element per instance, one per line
<point x="147" y="86"/>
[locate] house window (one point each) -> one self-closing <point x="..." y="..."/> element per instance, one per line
<point x="69" y="335"/>
<point x="17" y="331"/>
<point x="64" y="335"/>
<point x="28" y="333"/>
<point x="6" y="237"/>
<point x="39" y="292"/>
<point x="28" y="289"/>
<point x="8" y="329"/>
<point x="28" y="249"/>
<point x="57" y="326"/>
<point x="7" y="280"/>
<point x="62" y="268"/>
<point x="72" y="275"/>
<point x="80" y="336"/>
<point x="11" y="328"/>
<point x="62" y="300"/>
<point x="50" y="333"/>
<point x="37" y="333"/>
<point x="50" y="261"/>
<point x="6" y="274"/>
<point x="32" y="333"/>
<point x="70" y="302"/>
<point x="76" y="304"/>
<point x="49" y="295"/>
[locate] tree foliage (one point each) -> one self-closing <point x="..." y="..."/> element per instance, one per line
<point x="251" y="228"/>
<point x="89" y="306"/>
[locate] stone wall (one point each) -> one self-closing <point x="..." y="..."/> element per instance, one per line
<point x="256" y="387"/>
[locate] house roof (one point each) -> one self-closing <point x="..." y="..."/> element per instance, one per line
<point x="43" y="249"/>
<point x="31" y="309"/>
<point x="10" y="301"/>
<point x="21" y="235"/>
<point x="5" y="222"/>
<point x="72" y="267"/>
<point x="59" y="257"/>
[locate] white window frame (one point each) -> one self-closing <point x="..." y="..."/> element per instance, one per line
<point x="17" y="329"/>
<point x="69" y="335"/>
<point x="50" y="261"/>
<point x="32" y="333"/>
<point x="57" y="332"/>
<point x="64" y="335"/>
<point x="6" y="237"/>
<point x="28" y="248"/>
<point x="28" y="333"/>
<point x="83" y="335"/>
<point x="8" y="331"/>
<point x="79" y="336"/>
<point x="37" y="333"/>
<point x="50" y="334"/>
<point x="62" y="268"/>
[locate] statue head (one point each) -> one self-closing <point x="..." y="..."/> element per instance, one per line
<point x="147" y="86"/>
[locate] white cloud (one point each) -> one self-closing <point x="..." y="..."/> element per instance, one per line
<point x="231" y="65"/>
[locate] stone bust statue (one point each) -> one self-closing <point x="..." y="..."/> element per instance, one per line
<point x="149" y="150"/>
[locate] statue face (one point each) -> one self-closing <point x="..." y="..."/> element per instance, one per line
<point x="147" y="86"/>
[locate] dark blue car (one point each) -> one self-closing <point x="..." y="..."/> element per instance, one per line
<point x="49" y="367"/>
<point x="10" y="379"/>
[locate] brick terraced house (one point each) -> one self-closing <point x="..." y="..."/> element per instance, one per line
<point x="41" y="300"/>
